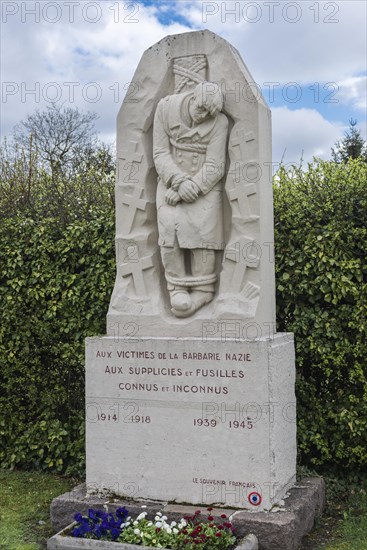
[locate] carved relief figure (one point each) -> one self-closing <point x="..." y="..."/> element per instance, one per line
<point x="189" y="151"/>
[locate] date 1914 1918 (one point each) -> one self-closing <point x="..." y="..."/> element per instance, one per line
<point x="137" y="418"/>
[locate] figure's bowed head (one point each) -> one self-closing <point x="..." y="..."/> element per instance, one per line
<point x="206" y="102"/>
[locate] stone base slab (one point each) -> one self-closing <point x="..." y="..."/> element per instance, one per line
<point x="283" y="528"/>
<point x="62" y="542"/>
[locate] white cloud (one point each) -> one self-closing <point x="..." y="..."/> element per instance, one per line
<point x="353" y="91"/>
<point x="301" y="134"/>
<point x="73" y="55"/>
<point x="325" y="43"/>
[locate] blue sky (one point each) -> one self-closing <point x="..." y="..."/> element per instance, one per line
<point x="308" y="58"/>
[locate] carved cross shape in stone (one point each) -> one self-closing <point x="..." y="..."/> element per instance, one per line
<point x="239" y="253"/>
<point x="134" y="203"/>
<point x="131" y="153"/>
<point x="136" y="270"/>
<point x="240" y="193"/>
<point x="239" y="140"/>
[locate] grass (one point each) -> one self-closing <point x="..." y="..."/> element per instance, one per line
<point x="348" y="534"/>
<point x="351" y="530"/>
<point x="344" y="534"/>
<point x="343" y="525"/>
<point x="25" y="499"/>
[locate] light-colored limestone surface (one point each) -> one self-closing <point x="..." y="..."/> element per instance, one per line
<point x="230" y="218"/>
<point x="192" y="421"/>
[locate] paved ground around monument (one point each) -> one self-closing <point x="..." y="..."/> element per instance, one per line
<point x="25" y="498"/>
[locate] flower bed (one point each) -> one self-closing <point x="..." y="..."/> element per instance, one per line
<point x="104" y="531"/>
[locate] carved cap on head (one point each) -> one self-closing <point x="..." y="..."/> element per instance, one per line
<point x="210" y="96"/>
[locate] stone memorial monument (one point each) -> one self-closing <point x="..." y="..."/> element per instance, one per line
<point x="190" y="396"/>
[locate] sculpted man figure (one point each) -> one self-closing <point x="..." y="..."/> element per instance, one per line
<point x="189" y="151"/>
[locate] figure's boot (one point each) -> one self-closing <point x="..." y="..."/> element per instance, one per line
<point x="180" y="301"/>
<point x="198" y="299"/>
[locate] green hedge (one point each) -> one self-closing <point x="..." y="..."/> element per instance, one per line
<point x="321" y="267"/>
<point x="56" y="282"/>
<point x="55" y="287"/>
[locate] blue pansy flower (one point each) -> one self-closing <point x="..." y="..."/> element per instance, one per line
<point x="122" y="513"/>
<point x="76" y="532"/>
<point x="85" y="528"/>
<point x="92" y="514"/>
<point x="97" y="532"/>
<point x="99" y="524"/>
<point x="115" y="533"/>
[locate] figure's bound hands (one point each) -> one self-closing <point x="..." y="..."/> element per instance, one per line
<point x="172" y="197"/>
<point x="189" y="191"/>
<point x="176" y="182"/>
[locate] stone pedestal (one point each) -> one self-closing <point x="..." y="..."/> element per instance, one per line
<point x="184" y="420"/>
<point x="283" y="527"/>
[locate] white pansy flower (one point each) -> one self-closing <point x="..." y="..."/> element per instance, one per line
<point x="157" y="518"/>
<point x="173" y="524"/>
<point x="137" y="531"/>
<point x="164" y="517"/>
<point x="158" y="524"/>
<point x="141" y="516"/>
<point x="175" y="531"/>
<point x="150" y="523"/>
<point x="135" y="522"/>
